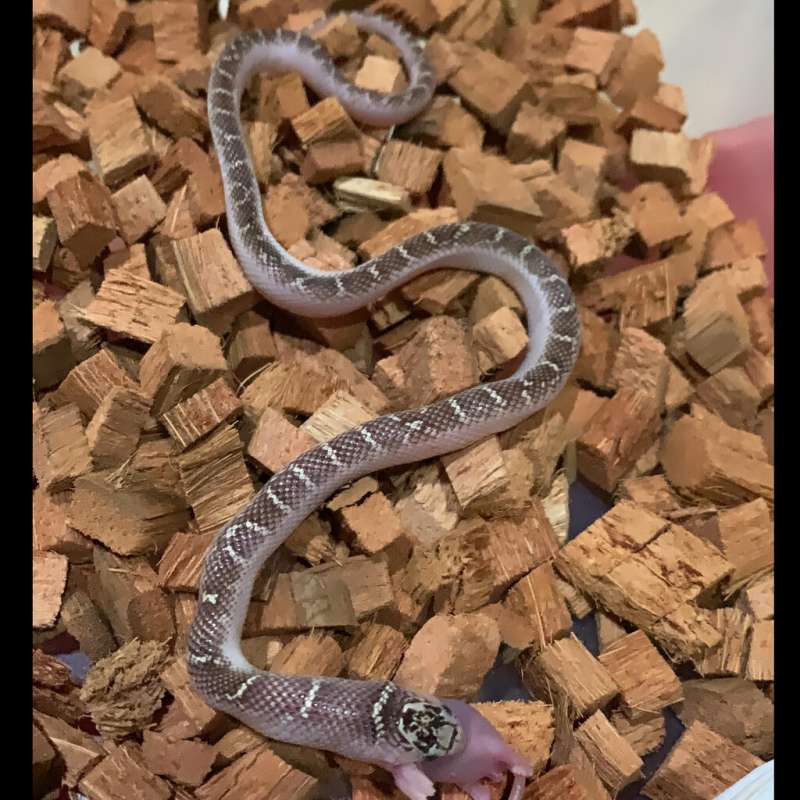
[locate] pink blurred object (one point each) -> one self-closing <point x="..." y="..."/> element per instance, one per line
<point x="742" y="172"/>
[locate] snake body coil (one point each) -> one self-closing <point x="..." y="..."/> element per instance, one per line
<point x="419" y="739"/>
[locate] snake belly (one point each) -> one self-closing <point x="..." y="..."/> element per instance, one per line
<point x="373" y="721"/>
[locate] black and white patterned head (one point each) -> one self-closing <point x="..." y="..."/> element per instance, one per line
<point x="430" y="728"/>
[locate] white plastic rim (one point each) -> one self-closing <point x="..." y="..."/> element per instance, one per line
<point x="756" y="785"/>
<point x="720" y="52"/>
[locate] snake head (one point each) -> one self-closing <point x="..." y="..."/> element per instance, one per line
<point x="484" y="755"/>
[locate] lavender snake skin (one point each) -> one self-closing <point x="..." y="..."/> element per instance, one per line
<point x="419" y="739"/>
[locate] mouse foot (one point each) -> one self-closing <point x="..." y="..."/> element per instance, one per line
<point x="412" y="781"/>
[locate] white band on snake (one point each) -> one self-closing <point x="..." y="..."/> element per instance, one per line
<point x="418" y="739"/>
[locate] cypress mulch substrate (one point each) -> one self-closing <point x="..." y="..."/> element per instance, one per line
<point x="167" y="391"/>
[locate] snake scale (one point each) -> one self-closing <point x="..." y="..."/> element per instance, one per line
<point x="419" y="739"/>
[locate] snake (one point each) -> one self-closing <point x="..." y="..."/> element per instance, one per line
<point x="418" y="738"/>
